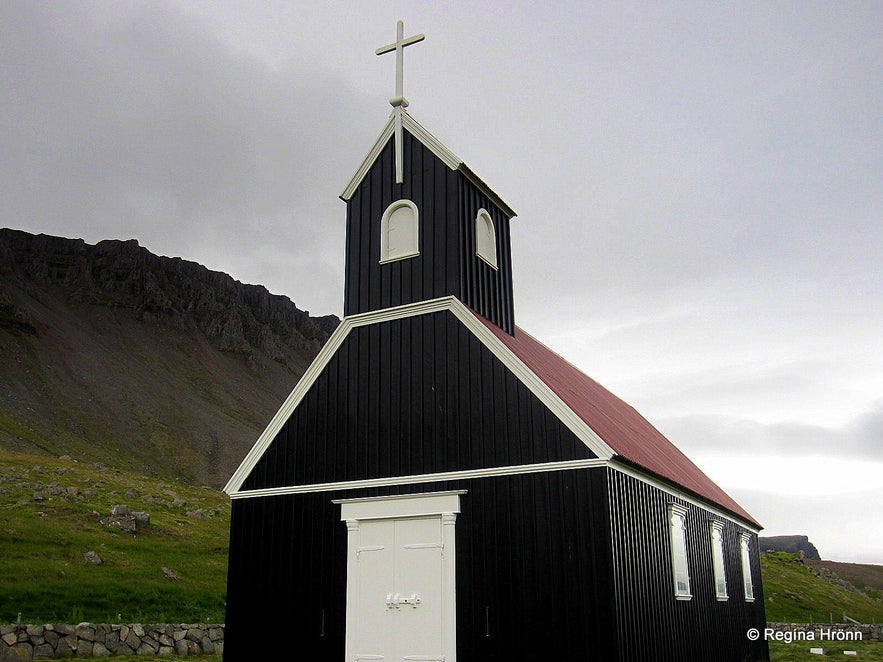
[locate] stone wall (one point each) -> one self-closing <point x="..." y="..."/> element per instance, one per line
<point x="822" y="632"/>
<point x="23" y="643"/>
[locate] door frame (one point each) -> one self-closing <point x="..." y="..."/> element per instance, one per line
<point x="445" y="505"/>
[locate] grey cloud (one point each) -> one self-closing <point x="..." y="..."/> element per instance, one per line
<point x="699" y="434"/>
<point x="135" y="121"/>
<point x="839" y="526"/>
<point x="149" y="110"/>
<point x="868" y="431"/>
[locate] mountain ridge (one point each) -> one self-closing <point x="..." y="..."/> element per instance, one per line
<point x="793" y="544"/>
<point x="110" y="353"/>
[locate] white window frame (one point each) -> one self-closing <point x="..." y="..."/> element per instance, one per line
<point x="413" y="247"/>
<point x="717" y="561"/>
<point x="486" y="238"/>
<point x="747" y="582"/>
<point x="677" y="529"/>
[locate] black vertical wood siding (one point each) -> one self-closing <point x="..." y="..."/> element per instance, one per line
<point x="532" y="571"/>
<point x="652" y="624"/>
<point x="447" y="203"/>
<point x="485" y="289"/>
<point x="416" y="395"/>
<point x="568" y="565"/>
<point x="287" y="565"/>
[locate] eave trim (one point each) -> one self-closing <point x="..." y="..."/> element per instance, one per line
<point x="418" y="479"/>
<point x="434" y="145"/>
<point x="492" y="472"/>
<point x="606" y="456"/>
<point x="312" y="373"/>
<point x="681" y="493"/>
<point x="370" y="158"/>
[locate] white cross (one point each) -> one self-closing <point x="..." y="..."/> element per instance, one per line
<point x="399" y="47"/>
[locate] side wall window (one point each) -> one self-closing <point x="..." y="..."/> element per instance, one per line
<point x="746" y="568"/>
<point x="399" y="231"/>
<point x="485" y="238"/>
<point x="717" y="560"/>
<point x="677" y="518"/>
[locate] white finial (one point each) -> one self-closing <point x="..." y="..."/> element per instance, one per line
<point x="399" y="47"/>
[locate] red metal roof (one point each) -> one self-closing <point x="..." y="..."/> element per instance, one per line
<point x="621" y="427"/>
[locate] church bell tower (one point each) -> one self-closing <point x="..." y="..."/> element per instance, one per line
<point x="421" y="224"/>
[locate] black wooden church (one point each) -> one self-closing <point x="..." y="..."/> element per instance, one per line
<point x="441" y="486"/>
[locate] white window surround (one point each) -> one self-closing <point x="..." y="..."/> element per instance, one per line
<point x="717" y="561"/>
<point x="677" y="519"/>
<point x="485" y="238"/>
<point x="445" y="505"/>
<point x="399" y="231"/>
<point x="744" y="544"/>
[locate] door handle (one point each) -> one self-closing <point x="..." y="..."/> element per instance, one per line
<point x="395" y="601"/>
<point x="414" y="600"/>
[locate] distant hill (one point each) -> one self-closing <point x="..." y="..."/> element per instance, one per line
<point x="109" y="353"/>
<point x="863" y="577"/>
<point x="790" y="544"/>
<point x="797" y="591"/>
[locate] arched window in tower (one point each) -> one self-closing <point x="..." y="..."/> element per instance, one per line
<point x="399" y="229"/>
<point x="485" y="238"/>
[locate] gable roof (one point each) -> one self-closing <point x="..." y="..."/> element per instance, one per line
<point x="631" y="436"/>
<point x="613" y="430"/>
<point x="433" y="144"/>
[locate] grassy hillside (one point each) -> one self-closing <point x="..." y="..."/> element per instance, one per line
<point x="49" y="518"/>
<point x="868" y="578"/>
<point x="795" y="594"/>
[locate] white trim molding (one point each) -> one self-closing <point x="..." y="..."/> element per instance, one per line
<point x="604" y="453"/>
<point x="466" y="474"/>
<point x="522" y="372"/>
<point x="489" y="472"/>
<point x="400" y="505"/>
<point x="385" y="134"/>
<point x="673" y="490"/>
<point x="400" y="118"/>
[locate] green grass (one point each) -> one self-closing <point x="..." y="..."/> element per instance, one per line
<point x="18" y="431"/>
<point x="42" y="544"/>
<point x="798" y="651"/>
<point x="795" y="595"/>
<point x="47" y="580"/>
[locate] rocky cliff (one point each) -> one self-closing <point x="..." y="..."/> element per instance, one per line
<point x="113" y="354"/>
<point x="790" y="544"/>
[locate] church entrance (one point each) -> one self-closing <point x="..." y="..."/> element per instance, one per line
<point x="400" y="578"/>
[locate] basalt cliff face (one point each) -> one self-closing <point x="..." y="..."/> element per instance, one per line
<point x="109" y="353"/>
<point x="791" y="544"/>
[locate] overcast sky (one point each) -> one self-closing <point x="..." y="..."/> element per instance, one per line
<point x="698" y="188"/>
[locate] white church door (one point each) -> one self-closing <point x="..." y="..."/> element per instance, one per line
<point x="400" y="578"/>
